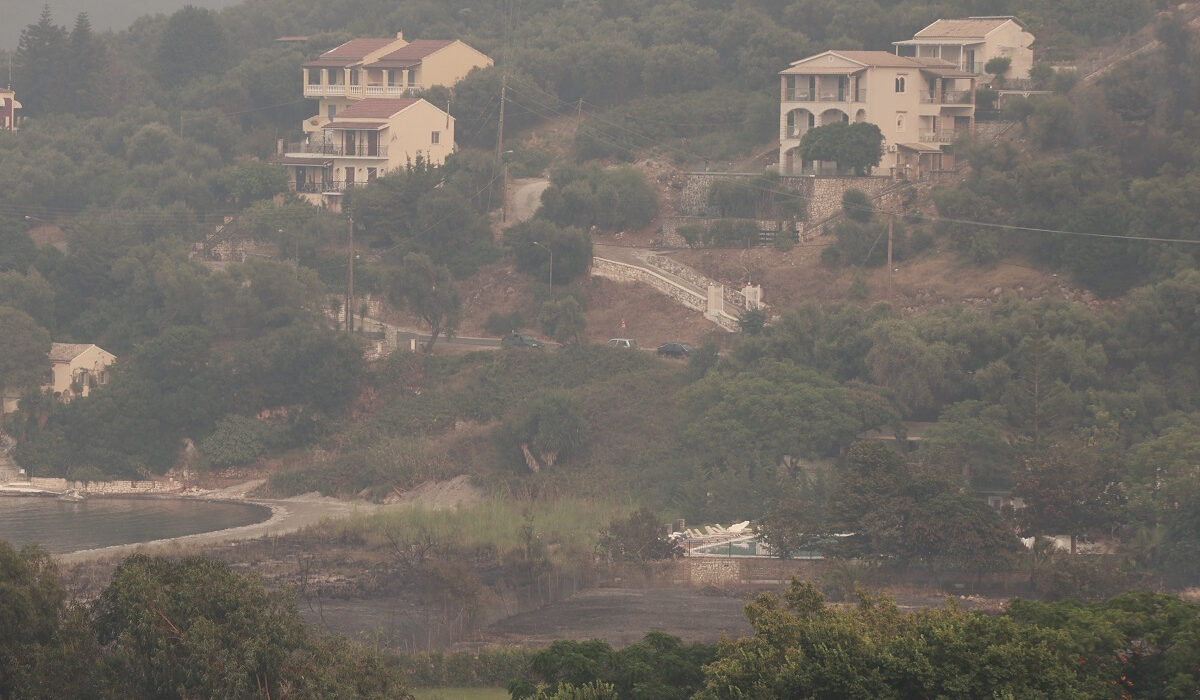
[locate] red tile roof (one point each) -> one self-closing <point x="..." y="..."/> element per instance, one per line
<point x="416" y="49"/>
<point x="356" y="49"/>
<point x="377" y="108"/>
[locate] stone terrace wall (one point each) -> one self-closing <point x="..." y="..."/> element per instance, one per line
<point x="611" y="269"/>
<point x="733" y="297"/>
<point x="825" y="198"/>
<point x="109" y="487"/>
<point x="739" y="572"/>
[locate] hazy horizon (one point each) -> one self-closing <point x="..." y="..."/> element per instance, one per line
<point x="105" y="15"/>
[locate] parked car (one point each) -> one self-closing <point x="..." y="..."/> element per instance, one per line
<point x="623" y="343"/>
<point x="674" y="350"/>
<point x="520" y="340"/>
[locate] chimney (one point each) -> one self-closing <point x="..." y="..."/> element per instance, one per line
<point x="400" y="36"/>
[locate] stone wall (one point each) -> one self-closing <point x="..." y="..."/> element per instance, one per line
<point x="740" y="572"/>
<point x="621" y="272"/>
<point x="825" y="197"/>
<point x="106" y="487"/>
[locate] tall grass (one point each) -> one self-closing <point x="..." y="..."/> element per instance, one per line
<point x="566" y="527"/>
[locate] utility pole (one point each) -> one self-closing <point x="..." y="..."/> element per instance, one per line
<point x="891" y="230"/>
<point x="350" y="285"/>
<point x="500" y="127"/>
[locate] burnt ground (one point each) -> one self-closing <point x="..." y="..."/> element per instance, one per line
<point x="622" y="616"/>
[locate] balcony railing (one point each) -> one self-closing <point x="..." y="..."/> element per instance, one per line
<point x="322" y="148"/>
<point x="939" y="136"/>
<point x="948" y="97"/>
<point x="829" y="96"/>
<point x="370" y="90"/>
<point x="329" y="186"/>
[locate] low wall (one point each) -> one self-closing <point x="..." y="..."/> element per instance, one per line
<point x="742" y="572"/>
<point x="621" y="272"/>
<point x="106" y="487"/>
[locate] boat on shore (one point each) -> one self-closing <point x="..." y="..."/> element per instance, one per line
<point x="72" y="496"/>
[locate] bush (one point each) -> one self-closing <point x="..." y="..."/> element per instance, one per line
<point x="240" y="439"/>
<point x="614" y="199"/>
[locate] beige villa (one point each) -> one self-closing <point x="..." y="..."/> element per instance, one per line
<point x="970" y="43"/>
<point x="383" y="67"/>
<point x="75" y="369"/>
<point x="9" y="119"/>
<point x="921" y="106"/>
<point x="368" y="139"/>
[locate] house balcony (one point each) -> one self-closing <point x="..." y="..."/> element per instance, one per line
<point x="825" y="96"/>
<point x="330" y="187"/>
<point x="323" y="148"/>
<point x="941" y="135"/>
<point x="360" y="91"/>
<point x="947" y="97"/>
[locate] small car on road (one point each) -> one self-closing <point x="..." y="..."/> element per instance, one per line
<point x="674" y="350"/>
<point x="520" y="340"/>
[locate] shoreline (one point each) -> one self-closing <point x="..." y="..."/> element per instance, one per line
<point x="286" y="516"/>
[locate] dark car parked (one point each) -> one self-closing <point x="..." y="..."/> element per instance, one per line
<point x="674" y="350"/>
<point x="520" y="340"/>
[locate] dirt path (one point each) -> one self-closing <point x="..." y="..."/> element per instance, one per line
<point x="525" y="198"/>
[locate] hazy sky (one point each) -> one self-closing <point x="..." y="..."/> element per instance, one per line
<point x="15" y="15"/>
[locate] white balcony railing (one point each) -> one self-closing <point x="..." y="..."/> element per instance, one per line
<point x="322" y="148"/>
<point x="948" y="97"/>
<point x="939" y="136"/>
<point x="827" y="96"/>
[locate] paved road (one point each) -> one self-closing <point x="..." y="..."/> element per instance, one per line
<point x="404" y="335"/>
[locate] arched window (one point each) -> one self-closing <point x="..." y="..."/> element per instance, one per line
<point x="899" y="122"/>
<point x="900" y="83"/>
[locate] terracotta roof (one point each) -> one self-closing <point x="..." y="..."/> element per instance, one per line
<point x="879" y="59"/>
<point x="65" y="352"/>
<point x="961" y="28"/>
<point x="416" y="49"/>
<point x="356" y="49"/>
<point x="377" y="108"/>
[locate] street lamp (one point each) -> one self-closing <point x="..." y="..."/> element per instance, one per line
<point x="551" y="252"/>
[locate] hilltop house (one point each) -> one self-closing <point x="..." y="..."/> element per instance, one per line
<point x="75" y="369"/>
<point x="366" y="68"/>
<point x="970" y="43"/>
<point x="921" y="105"/>
<point x="8" y="110"/>
<point x="368" y="139"/>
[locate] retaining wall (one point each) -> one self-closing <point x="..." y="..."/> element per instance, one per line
<point x="107" y="487"/>
<point x="621" y="272"/>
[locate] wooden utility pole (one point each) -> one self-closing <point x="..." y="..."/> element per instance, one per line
<point x="891" y="231"/>
<point x="500" y="127"/>
<point x="350" y="283"/>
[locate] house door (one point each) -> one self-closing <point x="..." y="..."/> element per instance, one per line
<point x="301" y="178"/>
<point x="842" y="80"/>
<point x="969" y="61"/>
<point x="372" y="143"/>
<point x="348" y="143"/>
<point x="349" y="177"/>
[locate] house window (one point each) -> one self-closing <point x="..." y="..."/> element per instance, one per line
<point x="354" y="77"/>
<point x="371" y="172"/>
<point x="900" y="83"/>
<point x="314" y="76"/>
<point x="900" y="122"/>
<point x="435" y="138"/>
<point x="331" y="110"/>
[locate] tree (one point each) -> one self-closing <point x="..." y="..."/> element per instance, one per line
<point x="192" y="45"/>
<point x="857" y="147"/>
<point x="83" y="63"/>
<point x="562" y="319"/>
<point x="38" y="66"/>
<point x="571" y="246"/>
<point x="193" y="627"/>
<point x="998" y="66"/>
<point x="1073" y="487"/>
<point x="428" y="290"/>
<point x="803" y="649"/>
<point x="639" y="539"/>
<point x="24" y="352"/>
<point x="549" y="431"/>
